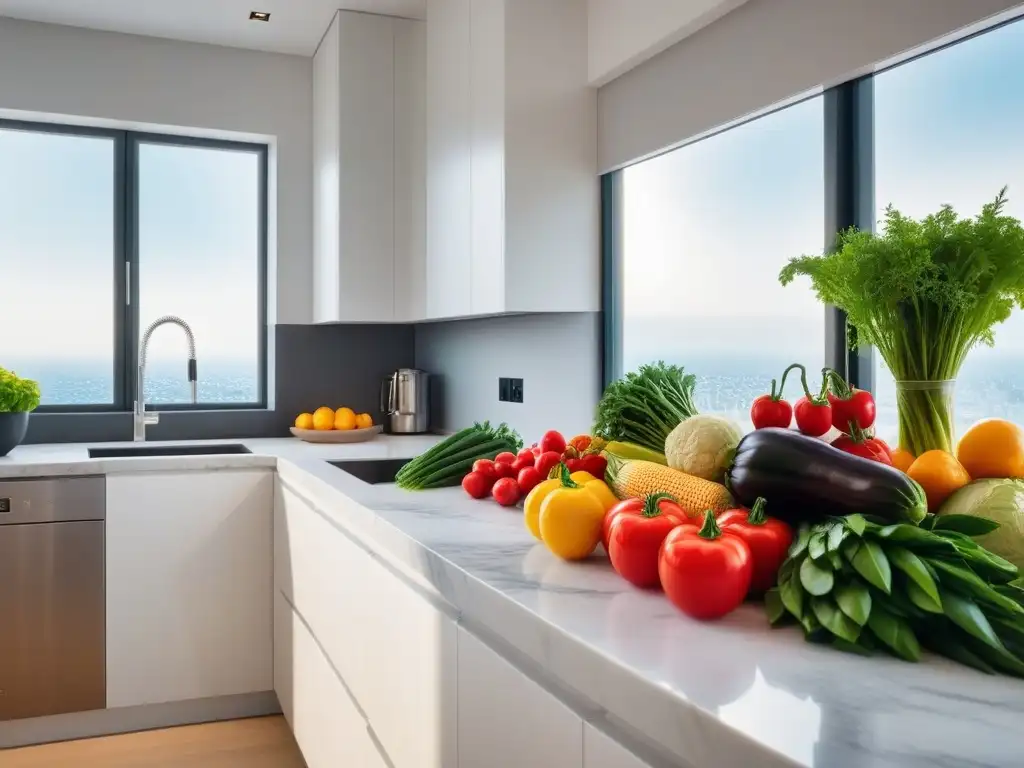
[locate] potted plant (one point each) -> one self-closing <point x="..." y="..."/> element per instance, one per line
<point x="18" y="397"/>
<point x="924" y="293"/>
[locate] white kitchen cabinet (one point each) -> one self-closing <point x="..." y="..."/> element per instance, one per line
<point x="369" y="169"/>
<point x="512" y="186"/>
<point x="394" y="650"/>
<point x="506" y="719"/>
<point x="325" y="721"/>
<point x="601" y="751"/>
<point x="188" y="585"/>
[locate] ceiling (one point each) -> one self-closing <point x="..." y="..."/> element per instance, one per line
<point x="295" y="26"/>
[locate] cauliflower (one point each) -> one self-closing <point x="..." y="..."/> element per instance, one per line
<point x="703" y="445"/>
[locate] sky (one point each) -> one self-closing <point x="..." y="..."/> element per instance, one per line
<point x="707" y="227"/>
<point x="198" y="235"/>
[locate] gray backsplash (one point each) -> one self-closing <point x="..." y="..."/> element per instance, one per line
<point x="558" y="356"/>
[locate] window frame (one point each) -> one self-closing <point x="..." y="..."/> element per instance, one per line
<point x="849" y="195"/>
<point x="126" y="262"/>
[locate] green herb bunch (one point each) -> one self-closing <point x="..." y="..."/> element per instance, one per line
<point x="862" y="585"/>
<point x="924" y="293"/>
<point x="645" y="405"/>
<point x="17" y="394"/>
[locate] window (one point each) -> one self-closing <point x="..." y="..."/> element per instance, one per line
<point x="705" y="230"/>
<point x="948" y="130"/>
<point x="102" y="232"/>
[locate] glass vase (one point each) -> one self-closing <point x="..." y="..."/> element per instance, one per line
<point x="925" y="413"/>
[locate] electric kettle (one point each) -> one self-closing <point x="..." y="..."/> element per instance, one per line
<point x="405" y="401"/>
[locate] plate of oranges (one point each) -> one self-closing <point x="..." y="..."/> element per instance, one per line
<point x="326" y="425"/>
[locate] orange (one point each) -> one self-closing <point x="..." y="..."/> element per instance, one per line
<point x="902" y="459"/>
<point x="939" y="473"/>
<point x="345" y="418"/>
<point x="304" y="421"/>
<point x="364" y="421"/>
<point x="992" y="448"/>
<point x="323" y="418"/>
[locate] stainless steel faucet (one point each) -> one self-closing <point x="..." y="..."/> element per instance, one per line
<point x="141" y="418"/>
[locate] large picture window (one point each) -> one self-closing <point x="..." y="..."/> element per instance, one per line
<point x="705" y="230"/>
<point x="102" y="232"/>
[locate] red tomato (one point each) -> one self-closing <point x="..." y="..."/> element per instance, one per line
<point x="767" y="411"/>
<point x="552" y="441"/>
<point x="859" y="408"/>
<point x="486" y="467"/>
<point x="574" y="465"/>
<point x="635" y="535"/>
<point x="528" y="478"/>
<point x="869" y="448"/>
<point x="706" y="573"/>
<point x="477" y="484"/>
<point x="546" y="461"/>
<point x="595" y="464"/>
<point x="505" y="457"/>
<point x="501" y="469"/>
<point x="813" y="419"/>
<point x="506" y="492"/>
<point x="767" y="537"/>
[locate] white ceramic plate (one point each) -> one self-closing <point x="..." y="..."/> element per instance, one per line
<point x="337" y="435"/>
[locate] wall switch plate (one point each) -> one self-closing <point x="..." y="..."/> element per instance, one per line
<point x="504" y="390"/>
<point x="516" y="391"/>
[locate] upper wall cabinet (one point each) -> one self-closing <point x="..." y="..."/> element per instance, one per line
<point x="369" y="170"/>
<point x="512" y="190"/>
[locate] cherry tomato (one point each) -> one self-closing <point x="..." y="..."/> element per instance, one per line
<point x="869" y="448"/>
<point x="528" y="479"/>
<point x="636" y="533"/>
<point x="505" y="457"/>
<point x="767" y="537"/>
<point x="506" y="492"/>
<point x="547" y="461"/>
<point x="813" y="419"/>
<point x="526" y="455"/>
<point x="594" y="463"/>
<point x="552" y="441"/>
<point x="574" y="465"/>
<point x="768" y="411"/>
<point x="522" y="462"/>
<point x="477" y="484"/>
<point x="504" y="469"/>
<point x="705" y="573"/>
<point x="859" y="408"/>
<point x="485" y="467"/>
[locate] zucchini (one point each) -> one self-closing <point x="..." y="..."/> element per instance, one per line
<point x="803" y="478"/>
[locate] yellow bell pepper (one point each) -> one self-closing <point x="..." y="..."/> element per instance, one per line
<point x="597" y="487"/>
<point x="570" y="519"/>
<point x="531" y="507"/>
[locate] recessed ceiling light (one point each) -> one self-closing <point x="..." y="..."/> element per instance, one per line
<point x="259" y="16"/>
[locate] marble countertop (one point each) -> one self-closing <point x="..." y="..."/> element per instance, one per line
<point x="678" y="691"/>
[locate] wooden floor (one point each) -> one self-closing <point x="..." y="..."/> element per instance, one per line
<point x="260" y="742"/>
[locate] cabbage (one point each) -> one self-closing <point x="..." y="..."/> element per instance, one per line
<point x="703" y="445"/>
<point x="1000" y="500"/>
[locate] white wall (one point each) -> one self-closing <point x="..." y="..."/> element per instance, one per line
<point x="624" y="33"/>
<point x="764" y="52"/>
<point x="558" y="356"/>
<point x="89" y="76"/>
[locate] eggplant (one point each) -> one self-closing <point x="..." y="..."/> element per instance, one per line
<point x="805" y="479"/>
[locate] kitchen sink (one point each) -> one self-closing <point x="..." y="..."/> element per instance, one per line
<point x="166" y="450"/>
<point x="372" y="471"/>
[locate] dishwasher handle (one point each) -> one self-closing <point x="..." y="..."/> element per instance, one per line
<point x="52" y="500"/>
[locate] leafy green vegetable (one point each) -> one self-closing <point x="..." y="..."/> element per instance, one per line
<point x="17" y="394"/>
<point x="645" y="405"/>
<point x="924" y="293"/>
<point x="899" y="587"/>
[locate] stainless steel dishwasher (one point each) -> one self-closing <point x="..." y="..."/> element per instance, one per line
<point x="52" y="596"/>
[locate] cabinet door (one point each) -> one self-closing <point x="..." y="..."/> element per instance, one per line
<point x="327" y="725"/>
<point x="394" y="650"/>
<point x="449" y="166"/>
<point x="601" y="751"/>
<point x="189" y="580"/>
<point x="506" y="720"/>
